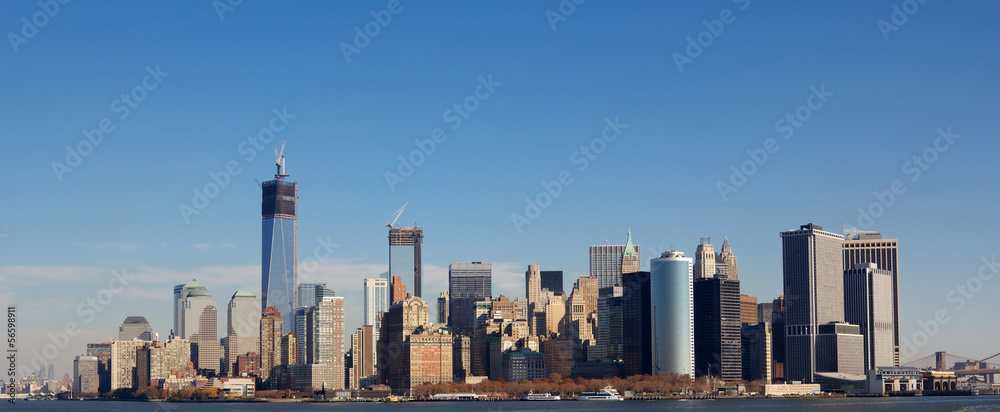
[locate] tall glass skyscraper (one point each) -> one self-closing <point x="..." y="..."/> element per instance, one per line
<point x="404" y="258"/>
<point x="279" y="248"/>
<point x="671" y="293"/>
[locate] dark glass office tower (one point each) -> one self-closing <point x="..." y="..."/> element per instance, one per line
<point x="552" y="280"/>
<point x="404" y="257"/>
<point x="636" y="324"/>
<point x="279" y="248"/>
<point x="717" y="337"/>
<point x="467" y="284"/>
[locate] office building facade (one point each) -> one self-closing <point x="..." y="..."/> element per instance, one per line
<point x="671" y="292"/>
<point x="717" y="328"/>
<point x="814" y="294"/>
<point x="135" y="327"/>
<point x="637" y="324"/>
<point x="85" y="376"/>
<point x="199" y="324"/>
<point x="376" y="300"/>
<point x="270" y="345"/>
<point x="552" y="280"/>
<point x="868" y="300"/>
<point x="869" y="247"/>
<point x="468" y="283"/>
<point x="608" y="262"/>
<point x="243" y="325"/>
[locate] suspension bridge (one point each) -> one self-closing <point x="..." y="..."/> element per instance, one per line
<point x="960" y="365"/>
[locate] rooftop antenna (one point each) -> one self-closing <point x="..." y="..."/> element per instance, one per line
<point x="279" y="160"/>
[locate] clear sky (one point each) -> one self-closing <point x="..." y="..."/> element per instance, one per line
<point x="839" y="103"/>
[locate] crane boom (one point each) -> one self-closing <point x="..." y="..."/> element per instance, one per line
<point x="396" y="216"/>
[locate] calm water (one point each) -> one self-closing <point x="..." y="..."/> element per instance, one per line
<point x="962" y="403"/>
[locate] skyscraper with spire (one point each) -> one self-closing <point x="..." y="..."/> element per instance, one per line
<point x="608" y="262"/>
<point x="725" y="265"/>
<point x="279" y="248"/>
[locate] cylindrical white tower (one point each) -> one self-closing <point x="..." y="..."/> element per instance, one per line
<point x="671" y="293"/>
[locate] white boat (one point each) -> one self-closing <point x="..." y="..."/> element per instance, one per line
<point x="606" y="394"/>
<point x="532" y="396"/>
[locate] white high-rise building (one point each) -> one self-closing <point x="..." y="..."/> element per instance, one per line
<point x="199" y="324"/>
<point x="671" y="291"/>
<point x="243" y="327"/>
<point x="376" y="301"/>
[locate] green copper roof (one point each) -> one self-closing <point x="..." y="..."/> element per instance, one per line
<point x="193" y="284"/>
<point x="198" y="292"/>
<point x="244" y="294"/>
<point x="629" y="249"/>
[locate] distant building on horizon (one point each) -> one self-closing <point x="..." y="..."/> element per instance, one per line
<point x="135" y="327"/>
<point x="280" y="242"/>
<point x="671" y="292"/>
<point x="608" y="262"/>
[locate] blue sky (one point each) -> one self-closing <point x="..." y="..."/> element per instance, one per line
<point x="223" y="79"/>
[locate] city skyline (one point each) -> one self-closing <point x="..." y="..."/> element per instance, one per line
<point x="138" y="214"/>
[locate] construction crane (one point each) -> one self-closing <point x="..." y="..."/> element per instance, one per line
<point x="279" y="159"/>
<point x="396" y="216"/>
